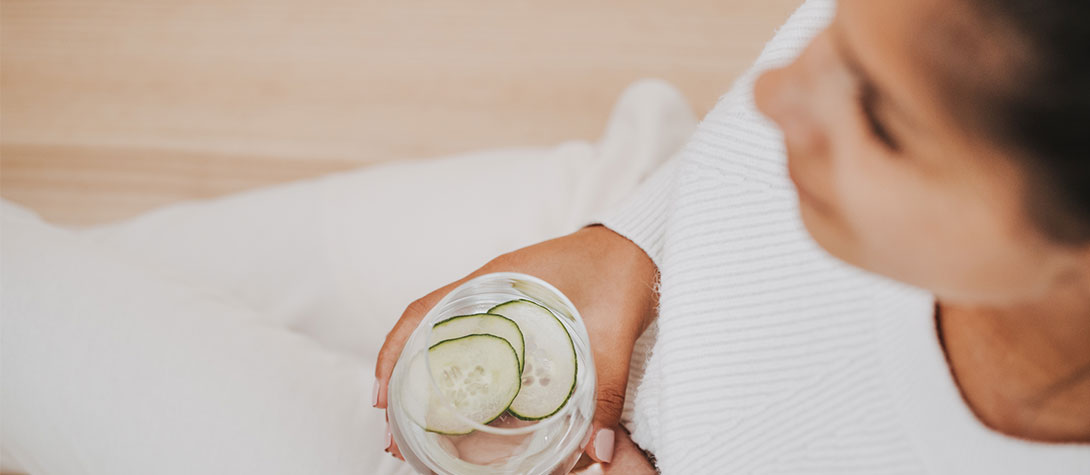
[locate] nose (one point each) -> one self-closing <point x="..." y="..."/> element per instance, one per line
<point x="781" y="95"/>
<point x="766" y="92"/>
<point x="785" y="95"/>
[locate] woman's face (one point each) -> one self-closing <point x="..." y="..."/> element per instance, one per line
<point x="890" y="176"/>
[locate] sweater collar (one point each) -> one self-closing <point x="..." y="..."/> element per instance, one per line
<point x="940" y="423"/>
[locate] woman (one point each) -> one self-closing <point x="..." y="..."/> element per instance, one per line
<point x="938" y="143"/>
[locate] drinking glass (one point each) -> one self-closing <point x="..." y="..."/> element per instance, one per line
<point x="507" y="445"/>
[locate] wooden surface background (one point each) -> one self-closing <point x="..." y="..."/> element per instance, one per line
<point x="112" y="107"/>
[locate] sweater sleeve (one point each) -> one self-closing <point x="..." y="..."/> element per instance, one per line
<point x="642" y="217"/>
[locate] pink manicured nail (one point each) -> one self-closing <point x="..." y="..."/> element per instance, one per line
<point x="603" y="445"/>
<point x="390" y="440"/>
<point x="374" y="395"/>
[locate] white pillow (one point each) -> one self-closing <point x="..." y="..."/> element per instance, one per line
<point x="237" y="335"/>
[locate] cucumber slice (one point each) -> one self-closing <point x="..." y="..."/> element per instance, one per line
<point x="481" y="323"/>
<point x="548" y="375"/>
<point x="478" y="374"/>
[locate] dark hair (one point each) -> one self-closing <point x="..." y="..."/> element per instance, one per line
<point x="1045" y="112"/>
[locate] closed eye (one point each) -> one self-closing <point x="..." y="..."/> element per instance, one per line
<point x="866" y="100"/>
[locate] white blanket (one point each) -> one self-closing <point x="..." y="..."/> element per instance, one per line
<point x="237" y="335"/>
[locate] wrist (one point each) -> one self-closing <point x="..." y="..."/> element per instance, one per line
<point x="630" y="273"/>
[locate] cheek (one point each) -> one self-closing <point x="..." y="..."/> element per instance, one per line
<point x="936" y="234"/>
<point x="862" y="215"/>
<point x="885" y="213"/>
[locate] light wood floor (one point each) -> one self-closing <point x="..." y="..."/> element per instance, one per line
<point x="112" y="107"/>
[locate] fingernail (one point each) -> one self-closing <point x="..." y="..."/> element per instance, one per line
<point x="374" y="395"/>
<point x="603" y="445"/>
<point x="390" y="439"/>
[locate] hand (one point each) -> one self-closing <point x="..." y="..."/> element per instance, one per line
<point x="628" y="459"/>
<point x="610" y="280"/>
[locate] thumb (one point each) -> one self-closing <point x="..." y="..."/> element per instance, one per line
<point x="612" y="368"/>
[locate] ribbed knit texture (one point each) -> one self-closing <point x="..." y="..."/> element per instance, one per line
<point x="769" y="356"/>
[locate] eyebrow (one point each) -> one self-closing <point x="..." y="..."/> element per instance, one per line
<point x="874" y="94"/>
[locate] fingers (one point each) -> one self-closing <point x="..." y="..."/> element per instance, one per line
<point x="611" y="363"/>
<point x="607" y="415"/>
<point x="391" y="445"/>
<point x="393" y="450"/>
<point x="395" y="340"/>
<point x="613" y="335"/>
<point x="629" y="459"/>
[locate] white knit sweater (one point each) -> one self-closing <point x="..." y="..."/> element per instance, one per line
<point x="769" y="356"/>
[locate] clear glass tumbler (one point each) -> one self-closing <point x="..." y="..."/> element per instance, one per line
<point x="506" y="445"/>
